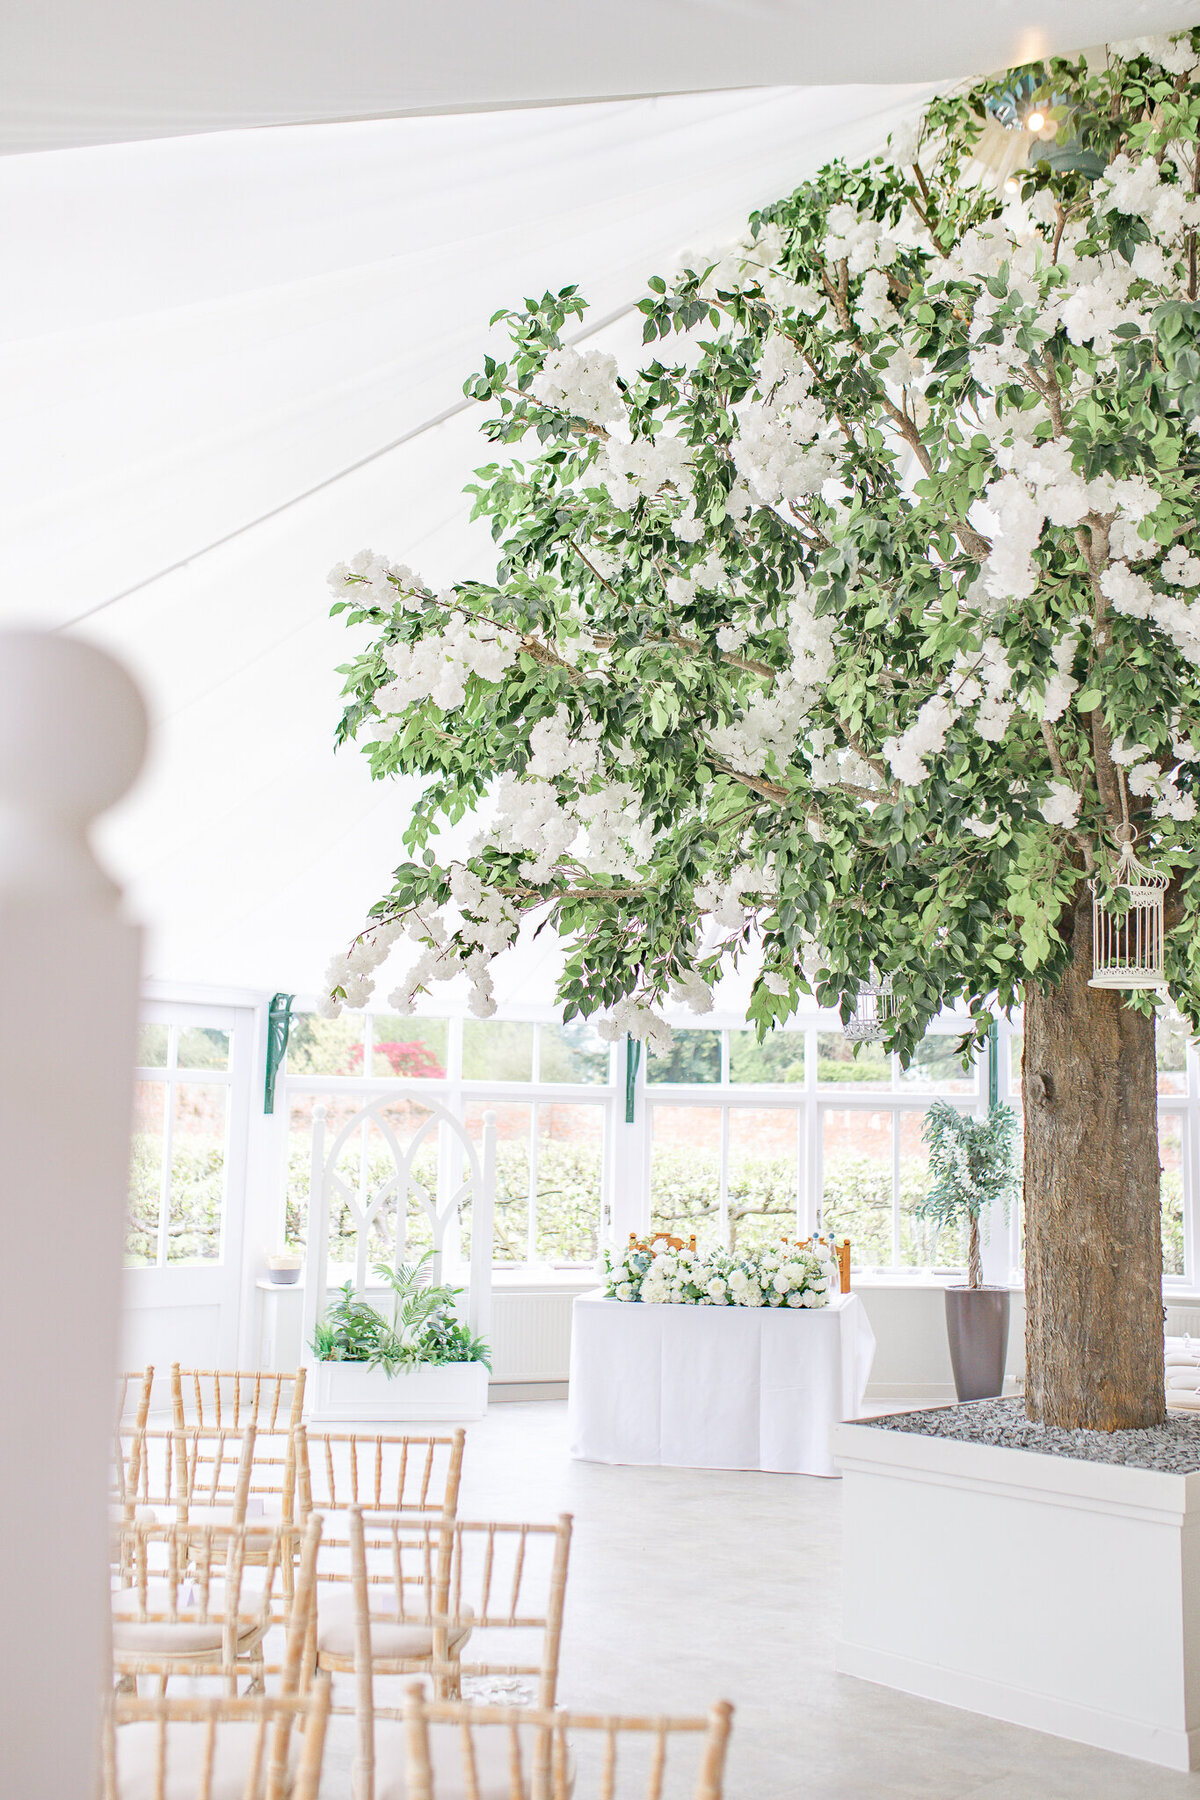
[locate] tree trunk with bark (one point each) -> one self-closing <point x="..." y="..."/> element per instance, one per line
<point x="1093" y="1242"/>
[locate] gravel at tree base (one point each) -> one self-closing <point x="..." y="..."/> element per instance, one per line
<point x="1173" y="1447"/>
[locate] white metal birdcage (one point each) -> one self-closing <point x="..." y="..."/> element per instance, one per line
<point x="876" y="1004"/>
<point x="1127" y="945"/>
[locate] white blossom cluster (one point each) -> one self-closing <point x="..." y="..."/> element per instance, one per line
<point x="629" y="471"/>
<point x="437" y="667"/>
<point x="774" y="718"/>
<point x="582" y="383"/>
<point x="1174" y="54"/>
<point x="635" y="1018"/>
<point x="1133" y="596"/>
<point x="787" y="1275"/>
<point x="778" y="450"/>
<point x="371" y="580"/>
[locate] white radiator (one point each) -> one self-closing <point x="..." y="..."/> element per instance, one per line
<point x="531" y="1335"/>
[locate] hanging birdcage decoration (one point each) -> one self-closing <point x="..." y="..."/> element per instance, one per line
<point x="1127" y="944"/>
<point x="876" y="1004"/>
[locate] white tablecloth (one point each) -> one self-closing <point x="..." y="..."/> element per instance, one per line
<point x="715" y="1387"/>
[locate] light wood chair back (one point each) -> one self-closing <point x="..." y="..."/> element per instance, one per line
<point x="424" y="1591"/>
<point x="171" y="1747"/>
<point x="455" y="1749"/>
<point x="270" y="1400"/>
<point x="181" y="1605"/>
<point x="377" y="1472"/>
<point x="134" y="1388"/>
<point x="149" y="1475"/>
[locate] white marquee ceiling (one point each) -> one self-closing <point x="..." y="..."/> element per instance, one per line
<point x="74" y="72"/>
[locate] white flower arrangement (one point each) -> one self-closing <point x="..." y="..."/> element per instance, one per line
<point x="786" y="1275"/>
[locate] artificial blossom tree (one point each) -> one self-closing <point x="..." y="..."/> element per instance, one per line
<point x="851" y="632"/>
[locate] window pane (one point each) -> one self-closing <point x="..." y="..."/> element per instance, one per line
<point x="923" y="1245"/>
<point x="937" y="1064"/>
<point x="569" y="1176"/>
<point x="412" y="1048"/>
<point x="764" y="1170"/>
<point x="1170" y="1039"/>
<point x="856" y="1193"/>
<point x="1170" y="1155"/>
<point x="871" y="1069"/>
<point x="574" y="1052"/>
<point x="318" y="1046"/>
<point x="695" y="1056"/>
<point x="197" y="1201"/>
<point x="152" y="1047"/>
<point x="146" y="1171"/>
<point x="1016" y="1047"/>
<point x="685" y="1172"/>
<point x="511" y="1243"/>
<point x="202" y="1048"/>
<point x="497" y="1050"/>
<point x="779" y="1058"/>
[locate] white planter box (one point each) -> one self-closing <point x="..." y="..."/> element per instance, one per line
<point x="351" y="1393"/>
<point x="1052" y="1593"/>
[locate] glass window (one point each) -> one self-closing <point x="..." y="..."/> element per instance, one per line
<point x="1170" y="1155"/>
<point x="513" y="1175"/>
<point x="574" y="1052"/>
<point x="200" y="1048"/>
<point x="318" y="1046"/>
<point x="923" y="1243"/>
<point x="570" y="1175"/>
<point x="414" y="1049"/>
<point x="764" y="1175"/>
<point x="779" y="1058"/>
<point x="685" y="1172"/>
<point x="1016" y="1049"/>
<point x="1170" y="1043"/>
<point x="694" y="1057"/>
<point x="856" y="1186"/>
<point x="497" y="1050"/>
<point x="152" y="1046"/>
<point x="869" y="1066"/>
<point x="197" y="1192"/>
<point x="146" y="1171"/>
<point x="937" y="1064"/>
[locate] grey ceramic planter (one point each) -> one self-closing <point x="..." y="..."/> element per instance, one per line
<point x="977" y="1326"/>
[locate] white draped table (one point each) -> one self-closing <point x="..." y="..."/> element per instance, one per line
<point x="715" y="1387"/>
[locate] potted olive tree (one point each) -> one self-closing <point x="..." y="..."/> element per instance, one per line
<point x="973" y="1166"/>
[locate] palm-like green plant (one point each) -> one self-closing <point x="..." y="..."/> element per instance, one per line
<point x="423" y="1329"/>
<point x="973" y="1165"/>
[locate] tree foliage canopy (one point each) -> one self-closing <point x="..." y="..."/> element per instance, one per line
<point x="848" y="630"/>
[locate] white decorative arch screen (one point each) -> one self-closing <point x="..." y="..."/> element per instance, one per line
<point x="404" y="1160"/>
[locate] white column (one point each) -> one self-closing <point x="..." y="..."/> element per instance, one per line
<point x="72" y="736"/>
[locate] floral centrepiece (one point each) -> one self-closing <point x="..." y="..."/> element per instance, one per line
<point x="785" y="1276"/>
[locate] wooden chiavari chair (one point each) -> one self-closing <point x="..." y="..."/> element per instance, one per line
<point x="451" y="1750"/>
<point x="266" y="1398"/>
<point x="421" y="1590"/>
<point x="268" y="1747"/>
<point x="377" y="1472"/>
<point x="134" y="1389"/>
<point x="182" y="1605"/>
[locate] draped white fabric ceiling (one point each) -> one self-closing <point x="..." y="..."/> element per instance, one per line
<point x="74" y="72"/>
<point x="222" y="355"/>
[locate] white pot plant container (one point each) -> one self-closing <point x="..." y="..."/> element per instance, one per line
<point x="973" y="1167"/>
<point x="421" y="1363"/>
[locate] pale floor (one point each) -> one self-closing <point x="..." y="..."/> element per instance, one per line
<point x="688" y="1586"/>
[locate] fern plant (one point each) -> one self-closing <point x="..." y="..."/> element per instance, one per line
<point x="423" y="1330"/>
<point x="973" y="1165"/>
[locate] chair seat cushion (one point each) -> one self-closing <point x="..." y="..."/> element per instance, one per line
<point x="185" y="1636"/>
<point x="236" y="1744"/>
<point x="392" y="1639"/>
<point x="493" y="1750"/>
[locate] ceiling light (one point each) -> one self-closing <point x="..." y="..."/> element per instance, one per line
<point x="1012" y="185"/>
<point x="1036" y="122"/>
